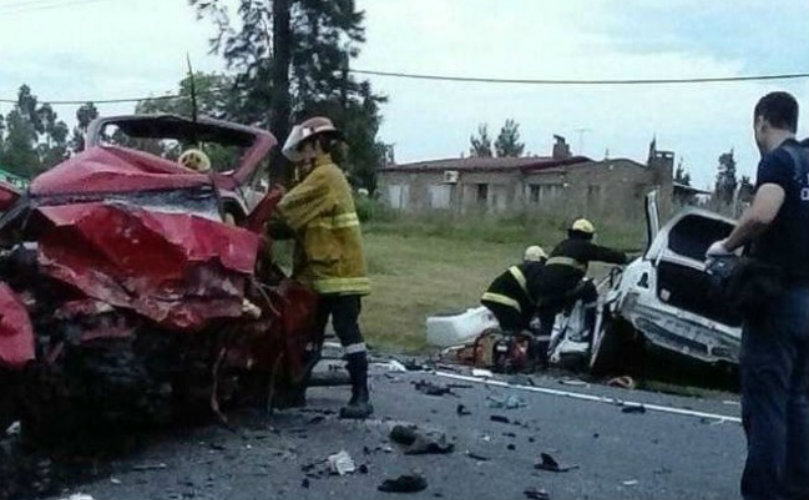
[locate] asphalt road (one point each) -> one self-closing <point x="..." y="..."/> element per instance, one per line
<point x="619" y="455"/>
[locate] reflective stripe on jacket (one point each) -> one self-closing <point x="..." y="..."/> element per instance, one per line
<point x="328" y="252"/>
<point x="512" y="288"/>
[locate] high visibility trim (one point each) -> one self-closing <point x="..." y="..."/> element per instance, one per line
<point x="340" y="221"/>
<point x="343" y="285"/>
<point x="501" y="299"/>
<point x="355" y="348"/>
<point x="566" y="261"/>
<point x="520" y="277"/>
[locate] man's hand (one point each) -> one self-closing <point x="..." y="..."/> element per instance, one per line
<point x="718" y="249"/>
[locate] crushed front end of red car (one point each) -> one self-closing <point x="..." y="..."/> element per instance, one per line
<point x="134" y="291"/>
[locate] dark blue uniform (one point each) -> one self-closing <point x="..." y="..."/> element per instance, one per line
<point x="775" y="350"/>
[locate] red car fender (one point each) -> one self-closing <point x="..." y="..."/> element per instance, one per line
<point x="8" y="195"/>
<point x="16" y="331"/>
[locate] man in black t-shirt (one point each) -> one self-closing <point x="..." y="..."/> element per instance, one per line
<point x="775" y="350"/>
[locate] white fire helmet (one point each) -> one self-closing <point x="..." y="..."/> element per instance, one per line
<point x="305" y="130"/>
<point x="534" y="253"/>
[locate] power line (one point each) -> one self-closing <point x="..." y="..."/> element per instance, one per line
<point x="649" y="81"/>
<point x="41" y="5"/>
<point x="726" y="79"/>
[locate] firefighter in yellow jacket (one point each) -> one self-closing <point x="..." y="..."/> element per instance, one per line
<point x="328" y="253"/>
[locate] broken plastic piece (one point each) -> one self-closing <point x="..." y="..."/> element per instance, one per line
<point x="511" y="402"/>
<point x="475" y="456"/>
<point x="13" y="429"/>
<point x="341" y="463"/>
<point x="419" y="443"/>
<point x="536" y="494"/>
<point x="633" y="408"/>
<point x="404" y="484"/>
<point x="548" y="463"/>
<point x="431" y="389"/>
<point x="462" y="411"/>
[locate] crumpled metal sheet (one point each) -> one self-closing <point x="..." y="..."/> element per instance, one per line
<point x="16" y="331"/>
<point x="110" y="169"/>
<point x="8" y="195"/>
<point x="178" y="270"/>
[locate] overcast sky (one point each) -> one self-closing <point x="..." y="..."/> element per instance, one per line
<point x="79" y="49"/>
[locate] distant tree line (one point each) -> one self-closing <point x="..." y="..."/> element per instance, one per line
<point x="33" y="138"/>
<point x="507" y="143"/>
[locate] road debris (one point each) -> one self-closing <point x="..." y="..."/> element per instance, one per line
<point x="404" y="484"/>
<point x="416" y="442"/>
<point x="414" y="366"/>
<point x="500" y="418"/>
<point x="341" y="463"/>
<point x="147" y="467"/>
<point x="305" y="483"/>
<point x="548" y="463"/>
<point x="533" y="493"/>
<point x="522" y="380"/>
<point x="392" y="366"/>
<point x="14" y="429"/>
<point x="482" y="372"/>
<point x="477" y="456"/>
<point x="78" y="496"/>
<point x="574" y="382"/>
<point x="624" y="382"/>
<point x="115" y="480"/>
<point x="432" y="389"/>
<point x="631" y="482"/>
<point x="511" y="402"/>
<point x="461" y="410"/>
<point x="633" y="408"/>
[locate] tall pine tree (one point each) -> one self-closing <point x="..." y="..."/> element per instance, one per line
<point x="291" y="59"/>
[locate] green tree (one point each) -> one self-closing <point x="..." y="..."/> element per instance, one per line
<point x="86" y="113"/>
<point x="34" y="138"/>
<point x="681" y="176"/>
<point x="481" y="146"/>
<point x="508" y="141"/>
<point x="726" y="182"/>
<point x="291" y="61"/>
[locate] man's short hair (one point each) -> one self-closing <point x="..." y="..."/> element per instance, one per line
<point x="780" y="110"/>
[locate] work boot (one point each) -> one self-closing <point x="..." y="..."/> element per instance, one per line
<point x="359" y="406"/>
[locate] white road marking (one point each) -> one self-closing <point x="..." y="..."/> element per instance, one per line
<point x="594" y="399"/>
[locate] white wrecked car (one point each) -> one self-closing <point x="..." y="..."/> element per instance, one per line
<point x="661" y="299"/>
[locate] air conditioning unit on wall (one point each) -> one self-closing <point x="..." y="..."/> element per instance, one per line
<point x="451" y="176"/>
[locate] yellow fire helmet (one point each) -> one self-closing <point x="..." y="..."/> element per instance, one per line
<point x="534" y="253"/>
<point x="195" y="159"/>
<point x="583" y="226"/>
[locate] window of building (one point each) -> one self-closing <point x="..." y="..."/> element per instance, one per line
<point x="440" y="195"/>
<point x="549" y="192"/>
<point x="483" y="193"/>
<point x="399" y="196"/>
<point x="533" y="194"/>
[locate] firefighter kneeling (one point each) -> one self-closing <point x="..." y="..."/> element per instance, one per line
<point x="512" y="300"/>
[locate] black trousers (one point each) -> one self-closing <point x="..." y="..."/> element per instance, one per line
<point x="586" y="292"/>
<point x="344" y="311"/>
<point x="510" y="319"/>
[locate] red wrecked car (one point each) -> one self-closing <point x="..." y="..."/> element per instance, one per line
<point x="134" y="291"/>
